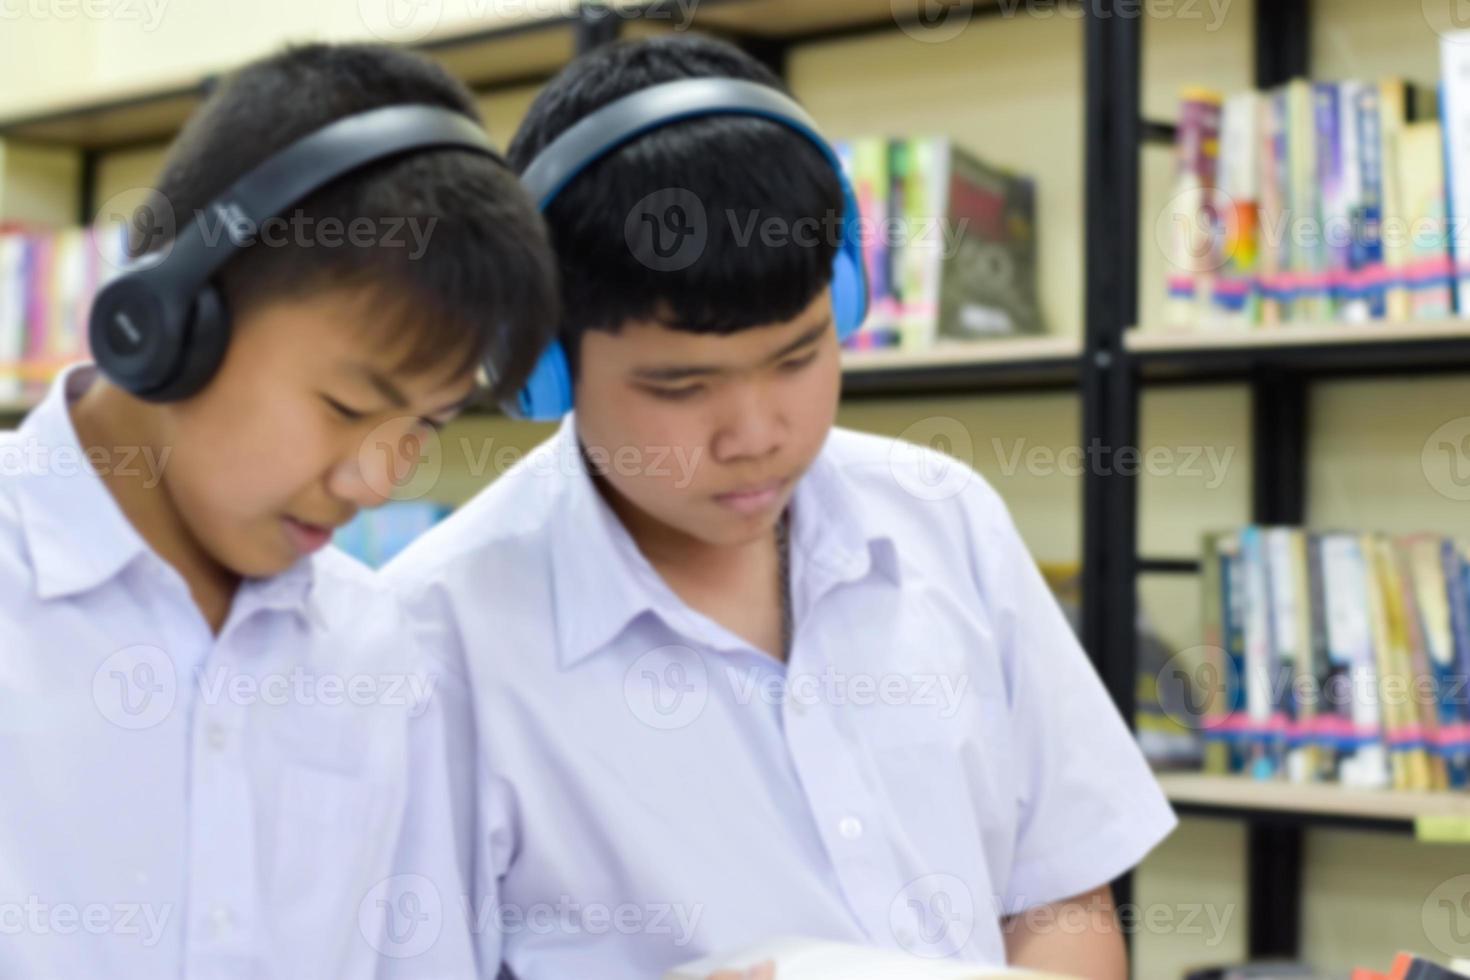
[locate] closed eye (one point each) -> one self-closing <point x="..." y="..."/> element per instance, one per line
<point x="797" y="363"/>
<point x="675" y="394"/>
<point x="350" y="414"/>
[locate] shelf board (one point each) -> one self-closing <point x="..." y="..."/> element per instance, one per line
<point x="1321" y="804"/>
<point x="1001" y="364"/>
<point x="509" y="52"/>
<point x="527" y="49"/>
<point x="792" y="20"/>
<point x="1334" y="349"/>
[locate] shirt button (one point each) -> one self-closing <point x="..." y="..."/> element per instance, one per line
<point x="851" y="828"/>
<point x="216" y="736"/>
<point x="220" y="919"/>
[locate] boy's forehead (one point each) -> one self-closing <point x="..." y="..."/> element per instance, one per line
<point x="654" y="339"/>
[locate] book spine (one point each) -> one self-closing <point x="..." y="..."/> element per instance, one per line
<point x="1423" y="680"/>
<point x="1457" y="596"/>
<point x="1455" y="106"/>
<point x="1362" y="759"/>
<point x="1233" y="610"/>
<point x="1193" y="232"/>
<point x="1235" y="300"/>
<point x="1368" y="260"/>
<point x="1272" y="230"/>
<point x="1332" y="252"/>
<point x="1427" y="271"/>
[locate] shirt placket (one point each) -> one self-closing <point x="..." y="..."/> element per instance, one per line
<point x="841" y="800"/>
<point x="223" y="929"/>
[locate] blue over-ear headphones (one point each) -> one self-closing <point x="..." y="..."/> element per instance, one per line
<point x="160" y="330"/>
<point x="547" y="396"/>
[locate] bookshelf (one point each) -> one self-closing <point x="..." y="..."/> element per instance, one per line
<point x="1279" y="368"/>
<point x="1000" y="366"/>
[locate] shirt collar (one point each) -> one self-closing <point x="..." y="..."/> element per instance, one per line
<point x="77" y="536"/>
<point x="836" y="536"/>
<point x="603" y="582"/>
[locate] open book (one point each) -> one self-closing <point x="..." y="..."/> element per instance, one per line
<point x="809" y="959"/>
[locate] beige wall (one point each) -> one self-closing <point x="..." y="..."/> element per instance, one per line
<point x="1012" y="92"/>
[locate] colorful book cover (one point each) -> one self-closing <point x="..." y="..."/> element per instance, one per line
<point x="1274" y="247"/>
<point x="1267" y="723"/>
<point x="1423" y="691"/>
<point x="1358" y="728"/>
<point x="1405" y="735"/>
<point x="1332" y="181"/>
<point x="1431" y="596"/>
<point x="1456" y="576"/>
<point x="923" y="254"/>
<point x="1308" y="262"/>
<point x="1455" y="115"/>
<point x="1235" y="301"/>
<point x="1427" y="270"/>
<point x="13" y="259"/>
<point x="1370" y="279"/>
<point x="1194" y="245"/>
<point x="1233" y="608"/>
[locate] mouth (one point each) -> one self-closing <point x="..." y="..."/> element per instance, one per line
<point x="754" y="499"/>
<point x="306" y="537"/>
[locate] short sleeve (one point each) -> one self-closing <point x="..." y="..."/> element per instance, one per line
<point x="459" y="822"/>
<point x="1091" y="808"/>
<point x="450" y="814"/>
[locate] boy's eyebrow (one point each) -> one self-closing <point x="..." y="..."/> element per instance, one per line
<point x="681" y="372"/>
<point x="390" y="391"/>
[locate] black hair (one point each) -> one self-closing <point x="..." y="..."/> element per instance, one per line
<point x="736" y="172"/>
<point x="481" y="280"/>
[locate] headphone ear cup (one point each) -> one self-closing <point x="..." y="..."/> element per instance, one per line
<point x="849" y="292"/>
<point x="548" y="394"/>
<point x="206" y="338"/>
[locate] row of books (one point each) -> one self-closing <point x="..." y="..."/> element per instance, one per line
<point x="949" y="243"/>
<point x="1314" y="202"/>
<point x="1336" y="656"/>
<point x="47" y="281"/>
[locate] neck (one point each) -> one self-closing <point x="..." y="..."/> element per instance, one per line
<point x="106" y="420"/>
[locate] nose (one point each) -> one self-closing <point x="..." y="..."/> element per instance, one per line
<point x="751" y="425"/>
<point x="389" y="464"/>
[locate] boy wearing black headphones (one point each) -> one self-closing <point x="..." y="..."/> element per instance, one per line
<point x="731" y="673"/>
<point x="221" y="754"/>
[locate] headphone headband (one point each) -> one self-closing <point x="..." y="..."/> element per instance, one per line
<point x="160" y="329"/>
<point x="624" y="120"/>
<point x="303" y="167"/>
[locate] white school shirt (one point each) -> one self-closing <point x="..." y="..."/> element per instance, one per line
<point x="268" y="802"/>
<point x="646" y="788"/>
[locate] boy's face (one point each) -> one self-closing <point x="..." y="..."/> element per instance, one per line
<point x="308" y="420"/>
<point x="707" y="434"/>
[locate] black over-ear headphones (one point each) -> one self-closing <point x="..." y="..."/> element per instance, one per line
<point x="160" y="329"/>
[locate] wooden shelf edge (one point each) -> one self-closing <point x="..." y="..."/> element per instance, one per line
<point x="1236" y="793"/>
<point x="1140" y="340"/>
<point x="994" y="352"/>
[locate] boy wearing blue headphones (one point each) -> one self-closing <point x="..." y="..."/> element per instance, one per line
<point x="221" y="754"/>
<point x="730" y="673"/>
